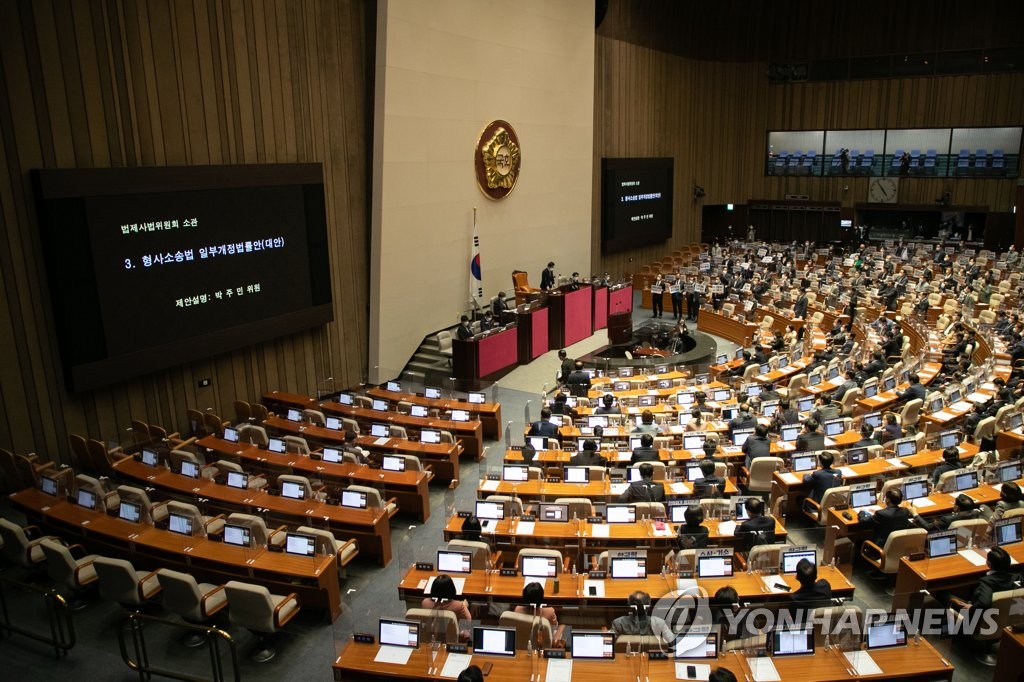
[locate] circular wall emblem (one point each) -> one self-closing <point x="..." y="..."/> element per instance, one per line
<point x="497" y="159"/>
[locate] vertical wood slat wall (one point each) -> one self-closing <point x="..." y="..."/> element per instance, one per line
<point x="713" y="119"/>
<point x="177" y="82"/>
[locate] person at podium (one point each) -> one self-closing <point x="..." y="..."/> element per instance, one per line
<point x="489" y="322"/>
<point x="463" y="331"/>
<point x="500" y="306"/>
<point x="547" y="278"/>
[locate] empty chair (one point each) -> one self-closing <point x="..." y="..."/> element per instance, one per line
<point x="980" y="158"/>
<point x="513" y="506"/>
<point x="818" y="511"/>
<point x="253" y="434"/>
<point x="363" y="401"/>
<point x="64" y="569"/>
<point x="23" y="546"/>
<point x="374" y="500"/>
<point x="214" y="424"/>
<point x="930" y="160"/>
<point x="759" y="476"/>
<point x="259" y="412"/>
<point x="911" y="413"/>
<point x="195" y="602"/>
<point x="545" y="553"/>
<point x="105" y="500"/>
<point x="119" y="581"/>
<point x="481" y="551"/>
<point x="899" y="544"/>
<point x="986" y="428"/>
<point x="296" y="444"/>
<point x="866" y="161"/>
<point x="315" y="417"/>
<point x="649" y="510"/>
<point x="243" y="412"/>
<point x="196" y="423"/>
<point x="258" y="532"/>
<point x="998" y="160"/>
<point x="849" y="402"/>
<point x="761" y="557"/>
<point x="350" y="424"/>
<point x="963" y="161"/>
<point x="254" y="608"/>
<point x="529" y="629"/>
<point x="254" y="482"/>
<point x="152" y="512"/>
<point x="326" y="543"/>
<point x="438" y="625"/>
<point x="826" y="620"/>
<point x="396" y="431"/>
<point x="201" y="525"/>
<point x="973" y="529"/>
<point x="578" y="507"/>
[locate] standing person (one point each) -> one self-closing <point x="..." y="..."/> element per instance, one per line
<point x="692" y="300"/>
<point x="547" y="278"/>
<point x="800" y="307"/>
<point x="676" y="291"/>
<point x="567" y="365"/>
<point x="657" y="300"/>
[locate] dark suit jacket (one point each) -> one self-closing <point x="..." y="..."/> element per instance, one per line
<point x="643" y="491"/>
<point x="946" y="520"/>
<point x="885" y="522"/>
<point x="756" y="446"/>
<point x="547" y="279"/>
<point x="704" y="487"/>
<point x="578" y="383"/>
<point x="989" y="584"/>
<point x="587" y="458"/>
<point x="817" y="594"/>
<point x="692" y="537"/>
<point x="821" y="480"/>
<point x="810" y="442"/>
<point x="644" y="455"/>
<point x="800" y="307"/>
<point x="543" y="428"/>
<point x="913" y="392"/>
<point x="756" y="531"/>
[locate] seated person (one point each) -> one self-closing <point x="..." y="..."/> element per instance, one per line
<point x="488" y="322"/>
<point x="826" y="409"/>
<point x="786" y="414"/>
<point x="845" y="387"/>
<point x="646" y="489"/>
<point x="950" y="462"/>
<point x="739" y="369"/>
<point x="824" y="478"/>
<point x="560" y="405"/>
<point x="646" y="451"/>
<point x="710" y="448"/>
<point x="743" y="420"/>
<point x="353" y="449"/>
<point x="757" y="445"/>
<point x="758" y="529"/>
<point x="915" y="390"/>
<point x="998" y="579"/>
<point x="876" y="366"/>
<point x="1010" y="497"/>
<point x="692" y="533"/>
<point x="647" y="424"/>
<point x="639" y="620"/>
<point x="890" y="431"/>
<point x="463" y="332"/>
<point x="867" y="437"/>
<point x="470" y="528"/>
<point x="543" y="426"/>
<point x="472" y="673"/>
<point x="710" y="485"/>
<point x="812" y="592"/>
<point x="443" y="596"/>
<point x="964" y="508"/>
<point x="698" y="422"/>
<point x="533" y="602"/>
<point x="721" y="674"/>
<point x="810" y="439"/>
<point x="588" y="456"/>
<point x="887" y="520"/>
<point x="529" y="453"/>
<point x="608" y="405"/>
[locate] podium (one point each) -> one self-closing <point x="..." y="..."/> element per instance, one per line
<point x="533" y="333"/>
<point x="620" y="328"/>
<point x="570" y="317"/>
<point x="487" y="355"/>
<point x="600" y="307"/>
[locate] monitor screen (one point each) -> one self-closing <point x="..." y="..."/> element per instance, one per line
<point x="190" y="469"/>
<point x="907" y="447"/>
<point x="553" y="512"/>
<point x="150" y="457"/>
<point x="791" y="559"/>
<point x="701" y="379"/>
<point x="1009" y="471"/>
<point x="769" y="408"/>
<point x="646" y="401"/>
<point x="597" y="420"/>
<point x="86" y="498"/>
<point x="935" y="405"/>
<point x="694" y="441"/>
<point x="1007" y="531"/>
<point x="333" y="423"/>
<point x="634" y="442"/>
<point x="294" y="415"/>
<point x="832" y="372"/>
<point x="275" y="445"/>
<point x="460" y="415"/>
<point x="379" y="430"/>
<point x="783" y="362"/>
<point x="515" y="472"/>
<point x="332" y="455"/>
<point x="539" y="442"/>
<point x="626" y="371"/>
<point x="419" y="410"/>
<point x="237" y="479"/>
<point x="393" y="386"/>
<point x="722" y="359"/>
<point x="179" y="523"/>
<point x="239" y="536"/>
<point x="345" y="398"/>
<point x="887" y="634"/>
<point x="129" y="511"/>
<point x="677" y="512"/>
<point x="862" y="498"/>
<point x="721" y="395"/>
<point x="871" y="390"/>
<point x="697" y="645"/>
<point x="1015" y="420"/>
<point x="693" y="472"/>
<point x="954" y="396"/>
<point x="804" y="404"/>
<point x="492" y="641"/>
<point x="301" y="545"/>
<point x="392" y="463"/>
<point x="872" y="419"/>
<point x="729" y="413"/>
<point x="915" y="490"/>
<point x="432" y="393"/>
<point x="490" y="510"/>
<point x="620" y="513"/>
<point x="592" y="644"/>
<point x="966" y="480"/>
<point x="449" y="561"/>
<point x="684" y="398"/>
<point x="714" y="566"/>
<point x="856" y="455"/>
<point x="620" y="386"/>
<point x="792" y="642"/>
<point x="355" y="499"/>
<point x="628" y="567"/>
<point x="835" y="427"/>
<point x="293" y="490"/>
<point x="740" y="436"/>
<point x="753" y="390"/>
<point x="738" y="354"/>
<point x="48" y="485"/>
<point x="379" y="405"/>
<point x="740" y="507"/>
<point x="949" y="439"/>
<point x="804" y="462"/>
<point x="477" y="398"/>
<point x="789" y="433"/>
<point x="814" y="379"/>
<point x="538" y="566"/>
<point x="888" y="383"/>
<point x="403" y="633"/>
<point x="430" y="436"/>
<point x="941" y="544"/>
<point x="576" y="474"/>
<point x="663" y="384"/>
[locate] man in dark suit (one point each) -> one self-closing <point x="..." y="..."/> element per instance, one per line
<point x="824" y="478"/>
<point x="786" y="414"/>
<point x="915" y="390"/>
<point x="588" y="456"/>
<point x="876" y="366"/>
<point x="800" y="307"/>
<point x="964" y="509"/>
<point x="739" y="369"/>
<point x="608" y="405"/>
<point x="950" y="462"/>
<point x="543" y="426"/>
<point x="998" y="579"/>
<point x="463" y="332"/>
<point x="710" y="485"/>
<point x="500" y="306"/>
<point x="743" y="420"/>
<point x="560" y="405"/>
<point x="812" y="592"/>
<point x="692" y="301"/>
<point x="646" y="489"/>
<point x="757" y="445"/>
<point x="826" y="409"/>
<point x="758" y="529"/>
<point x="567" y="364"/>
<point x="547" y="278"/>
<point x="646" y="451"/>
<point x="810" y="439"/>
<point x="887" y="520"/>
<point x="578" y="382"/>
<point x="846" y="386"/>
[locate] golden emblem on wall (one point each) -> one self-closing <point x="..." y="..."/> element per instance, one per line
<point x="497" y="159"/>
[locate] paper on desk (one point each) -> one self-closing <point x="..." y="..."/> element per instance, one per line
<point x="527" y="579"/>
<point x="972" y="556"/>
<point x="618" y="488"/>
<point x="784" y="446"/>
<point x="727" y="528"/>
<point x="623" y="456"/>
<point x="680" y="488"/>
<point x="383" y="440"/>
<point x="455" y="664"/>
<point x="862" y="663"/>
<point x="829" y="443"/>
<point x="979" y="397"/>
<point x="598" y="586"/>
<point x="525" y="528"/>
<point x="847" y="472"/>
<point x="559" y="670"/>
<point x="397" y="655"/>
<point x="632" y="410"/>
<point x="922" y="502"/>
<point x="460" y="583"/>
<point x="665" y="532"/>
<point x="732" y="449"/>
<point x="489" y="485"/>
<point x="942" y="415"/>
<point x="763" y="669"/>
<point x="599" y="530"/>
<point x="896" y="462"/>
<point x="772" y="582"/>
<point x="789" y="478"/>
<point x="701" y="671"/>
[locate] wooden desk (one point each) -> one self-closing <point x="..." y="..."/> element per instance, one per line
<point x="570" y="316"/>
<point x="370" y="527"/>
<point x="489" y="355"/>
<point x="443" y="458"/>
<point x="950" y="573"/>
<point x="314" y="579"/>
<point x="469" y="433"/>
<point x="489" y="413"/>
<point x="730" y="329"/>
<point x="597" y="491"/>
<point x="533" y="333"/>
<point x="920" y="662"/>
<point x="410" y="488"/>
<point x="1008" y="660"/>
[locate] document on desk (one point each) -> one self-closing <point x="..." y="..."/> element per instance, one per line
<point x="922" y="502"/>
<point x="593" y="588"/>
<point x="847" y="472"/>
<point x="680" y="489"/>
<point x="559" y="670"/>
<point x="789" y="478"/>
<point x="942" y="415"/>
<point x="396" y="655"/>
<point x="862" y="663"/>
<point x="763" y="669"/>
<point x="525" y="528"/>
<point x="727" y="528"/>
<point x="973" y="557"/>
<point x="382" y="441"/>
<point x="773" y="583"/>
<point x="896" y="462"/>
<point x="455" y="664"/>
<point x="701" y="671"/>
<point x="599" y="530"/>
<point x="489" y="485"/>
<point x="623" y="456"/>
<point x="617" y="488"/>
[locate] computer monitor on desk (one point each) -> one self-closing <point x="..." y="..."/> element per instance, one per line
<point x="179" y="523"/>
<point x="432" y="393"/>
<point x="694" y="441"/>
<point x="872" y="419"/>
<point x="431" y="436"/>
<point x="403" y="633"/>
<point x="276" y="445"/>
<point x="695" y="644"/>
<point x="293" y="490"/>
<point x="597" y="420"/>
<point x="792" y="641"/>
<point x="888" y="383"/>
<point x="804" y="462"/>
<point x="190" y="469"/>
<point x="239" y="536"/>
<point x="939" y="545"/>
<point x="393" y="386"/>
<point x="620" y="513"/>
<point x="862" y="498"/>
<point x="460" y="415"/>
<point x="149" y="457"/>
<point x="477" y="398"/>
<point x="1009" y="471"/>
<point x="805" y="404"/>
<point x="714" y="566"/>
<point x="392" y="463"/>
<point x="494" y="641"/>
<point x="889" y="633"/>
<point x="550" y="512"/>
<point x="237" y="479"/>
<point x="130" y="511"/>
<point x="633" y="568"/>
<point x="740" y="436"/>
<point x="597" y="645"/>
<point x="915" y="490"/>
<point x="789" y="560"/>
<point x="419" y="411"/>
<point x="294" y="415"/>
<point x="965" y="480"/>
<point x="379" y="430"/>
<point x="515" y="472"/>
<point x="789" y="433"/>
<point x="353" y="499"/>
<point x="488" y="512"/>
<point x="332" y="423"/>
<point x="1007" y="531"/>
<point x="332" y="455"/>
<point x="85" y="498"/>
<point x="856" y="456"/>
<point x="905" y="447"/>
<point x="230" y="434"/>
<point x="532" y="566"/>
<point x="576" y="474"/>
<point x="834" y="427"/>
<point x="299" y="544"/>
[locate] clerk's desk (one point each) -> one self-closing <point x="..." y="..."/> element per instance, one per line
<point x="314" y="579"/>
<point x="612" y="593"/>
<point x="490" y="413"/>
<point x="370" y="527"/>
<point x="410" y="488"/>
<point x="539" y="490"/>
<point x="443" y="458"/>
<point x="950" y="573"/>
<point x="792" y="484"/>
<point x="914" y="662"/>
<point x="593" y="538"/>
